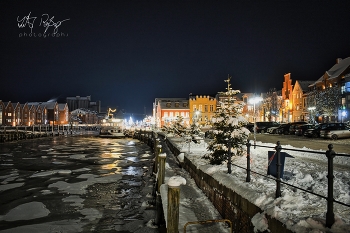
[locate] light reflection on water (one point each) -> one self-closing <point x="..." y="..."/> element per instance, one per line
<point x="134" y="171"/>
<point x="111" y="155"/>
<point x="133" y="159"/>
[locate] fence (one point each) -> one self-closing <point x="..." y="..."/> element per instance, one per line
<point x="330" y="154"/>
<point x="12" y="133"/>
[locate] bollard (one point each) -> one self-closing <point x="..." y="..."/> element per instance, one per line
<point x="248" y="162"/>
<point x="161" y="171"/>
<point x="156" y="158"/>
<point x="278" y="167"/>
<point x="330" y="214"/>
<point x="174" y="203"/>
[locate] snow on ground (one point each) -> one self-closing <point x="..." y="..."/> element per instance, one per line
<point x="300" y="211"/>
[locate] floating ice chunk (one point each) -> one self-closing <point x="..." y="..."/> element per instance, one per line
<point x="10" y="186"/>
<point x="27" y="211"/>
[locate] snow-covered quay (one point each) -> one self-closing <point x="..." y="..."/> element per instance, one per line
<point x="299" y="211"/>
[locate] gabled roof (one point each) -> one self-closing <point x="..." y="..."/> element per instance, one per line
<point x="61" y="107"/>
<point x="339" y="68"/>
<point x="48" y="105"/>
<point x="335" y="71"/>
<point x="304" y="84"/>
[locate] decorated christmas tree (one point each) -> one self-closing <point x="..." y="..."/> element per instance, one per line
<point x="228" y="128"/>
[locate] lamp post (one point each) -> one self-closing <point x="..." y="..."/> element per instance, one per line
<point x="254" y="101"/>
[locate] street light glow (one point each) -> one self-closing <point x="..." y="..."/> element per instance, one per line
<point x="255" y="100"/>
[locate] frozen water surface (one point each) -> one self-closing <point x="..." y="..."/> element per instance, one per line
<point x="71" y="184"/>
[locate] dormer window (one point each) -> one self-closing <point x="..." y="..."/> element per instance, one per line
<point x="177" y="104"/>
<point x="168" y="104"/>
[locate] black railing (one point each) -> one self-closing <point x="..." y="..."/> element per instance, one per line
<point x="330" y="156"/>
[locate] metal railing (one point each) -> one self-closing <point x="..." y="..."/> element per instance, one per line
<point x="330" y="154"/>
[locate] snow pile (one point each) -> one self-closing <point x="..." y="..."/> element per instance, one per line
<point x="260" y="222"/>
<point x="298" y="210"/>
<point x="176" y="181"/>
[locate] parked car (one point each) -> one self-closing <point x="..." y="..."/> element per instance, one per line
<point x="262" y="126"/>
<point x="315" y="132"/>
<point x="335" y="131"/>
<point x="274" y="130"/>
<point x="294" y="125"/>
<point x="283" y="128"/>
<point x="300" y="129"/>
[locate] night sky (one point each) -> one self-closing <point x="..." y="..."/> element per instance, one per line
<point x="127" y="53"/>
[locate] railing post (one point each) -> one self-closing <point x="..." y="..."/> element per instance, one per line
<point x="229" y="163"/>
<point x="161" y="172"/>
<point x="248" y="161"/>
<point x="174" y="203"/>
<point x="278" y="169"/>
<point x="330" y="214"/>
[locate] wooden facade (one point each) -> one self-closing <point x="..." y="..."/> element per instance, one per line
<point x="35" y="113"/>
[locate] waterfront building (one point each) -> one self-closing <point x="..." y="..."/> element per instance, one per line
<point x="166" y="111"/>
<point x="201" y="108"/>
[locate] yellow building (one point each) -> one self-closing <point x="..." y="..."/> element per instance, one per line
<point x="202" y="108"/>
<point x="300" y="111"/>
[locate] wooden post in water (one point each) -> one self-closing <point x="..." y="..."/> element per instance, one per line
<point x="155" y="166"/>
<point x="174" y="203"/>
<point x="161" y="171"/>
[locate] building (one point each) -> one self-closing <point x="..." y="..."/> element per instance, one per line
<point x="330" y="94"/>
<point x="287" y="97"/>
<point x="80" y="102"/>
<point x="84" y="116"/>
<point x="166" y="110"/>
<point x="201" y="108"/>
<point x="33" y="113"/>
<point x="299" y="101"/>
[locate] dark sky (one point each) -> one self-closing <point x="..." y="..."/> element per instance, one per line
<point x="127" y="53"/>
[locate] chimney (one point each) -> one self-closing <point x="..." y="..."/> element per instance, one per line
<point x="339" y="60"/>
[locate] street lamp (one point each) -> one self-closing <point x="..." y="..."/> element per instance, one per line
<point x="254" y="101"/>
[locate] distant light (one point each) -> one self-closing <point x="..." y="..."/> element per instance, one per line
<point x="311" y="108"/>
<point x="255" y="100"/>
<point x="343" y="113"/>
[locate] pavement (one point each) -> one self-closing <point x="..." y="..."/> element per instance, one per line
<point x="194" y="204"/>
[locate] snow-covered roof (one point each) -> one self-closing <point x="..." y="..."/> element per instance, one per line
<point x="335" y="71"/>
<point x="62" y="106"/>
<point x="171" y="103"/>
<point x="338" y="68"/>
<point x="304" y="84"/>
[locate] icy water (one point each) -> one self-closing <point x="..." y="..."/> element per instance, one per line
<point x="76" y="184"/>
